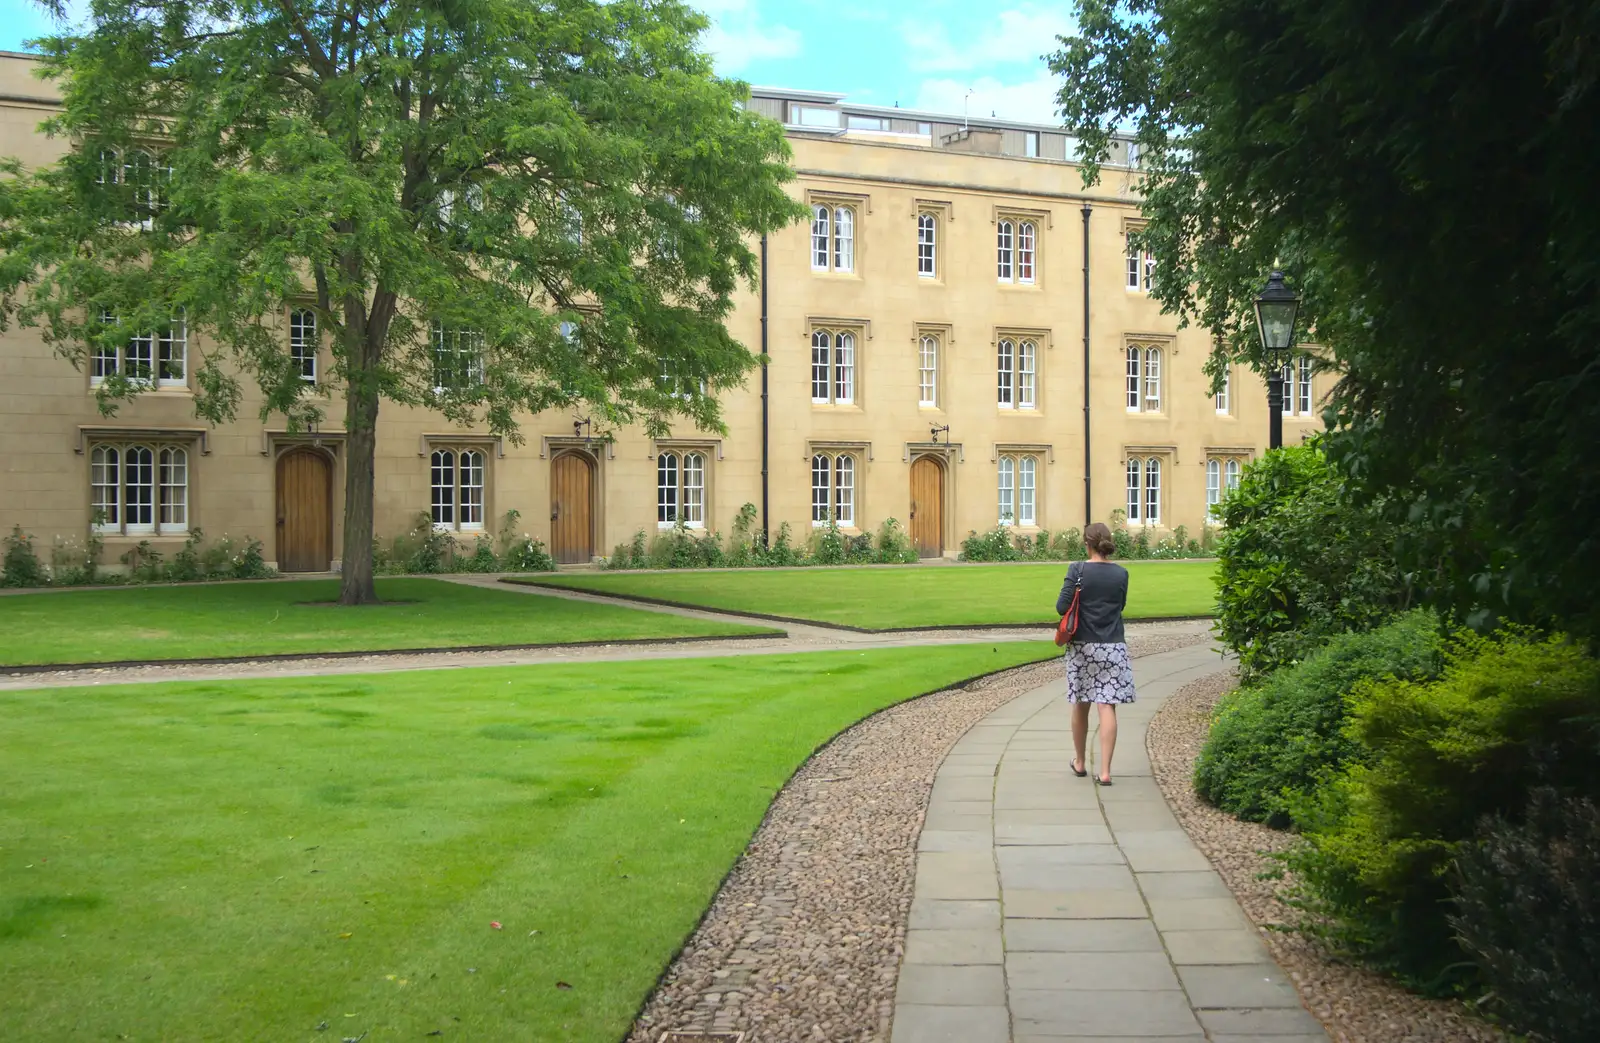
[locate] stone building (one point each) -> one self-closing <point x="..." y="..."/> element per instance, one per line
<point x="932" y="332"/>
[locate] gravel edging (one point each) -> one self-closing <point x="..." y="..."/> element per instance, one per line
<point x="1354" y="1004"/>
<point x="803" y="940"/>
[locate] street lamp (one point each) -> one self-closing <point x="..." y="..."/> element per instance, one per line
<point x="1276" y="307"/>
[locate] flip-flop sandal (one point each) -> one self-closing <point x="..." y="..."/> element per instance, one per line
<point x="1074" y="766"/>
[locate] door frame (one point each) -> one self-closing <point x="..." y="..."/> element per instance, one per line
<point x="941" y="460"/>
<point x="596" y="529"/>
<point x="282" y="447"/>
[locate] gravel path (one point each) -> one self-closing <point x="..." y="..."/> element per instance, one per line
<point x="1356" y="1005"/>
<point x="803" y="942"/>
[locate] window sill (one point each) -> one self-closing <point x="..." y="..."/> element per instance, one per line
<point x="1025" y="286"/>
<point x="662" y="526"/>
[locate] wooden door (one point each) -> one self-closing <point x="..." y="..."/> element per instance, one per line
<point x="305" y="511"/>
<point x="571" y="509"/>
<point x="927" y="506"/>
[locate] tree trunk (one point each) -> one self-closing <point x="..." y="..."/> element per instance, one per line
<point x="356" y="586"/>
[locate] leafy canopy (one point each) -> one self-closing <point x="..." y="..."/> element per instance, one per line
<point x="1425" y="176"/>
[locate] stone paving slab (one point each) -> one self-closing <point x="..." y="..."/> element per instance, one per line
<point x="1051" y="910"/>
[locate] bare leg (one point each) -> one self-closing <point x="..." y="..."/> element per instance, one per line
<point x="1080" y="734"/>
<point x="1108" y="736"/>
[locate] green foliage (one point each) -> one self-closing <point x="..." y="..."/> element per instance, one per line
<point x="995" y="545"/>
<point x="1466" y="337"/>
<point x="894" y="545"/>
<point x="1271" y="743"/>
<point x="1528" y="907"/>
<point x="78" y="565"/>
<point x="1300" y="561"/>
<point x="522" y="553"/>
<point x="683" y="548"/>
<point x="1380" y="838"/>
<point x="827" y="545"/>
<point x="21" y="567"/>
<point x="487" y="166"/>
<point x="1006" y="544"/>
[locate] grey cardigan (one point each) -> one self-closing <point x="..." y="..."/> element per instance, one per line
<point x="1105" y="595"/>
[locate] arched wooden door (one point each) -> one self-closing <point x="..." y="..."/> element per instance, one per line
<point x="572" y="508"/>
<point x="305" y="511"/>
<point x="927" y="506"/>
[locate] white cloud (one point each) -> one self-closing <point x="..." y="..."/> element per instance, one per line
<point x="737" y="37"/>
<point x="1031" y="101"/>
<point x="1015" y="36"/>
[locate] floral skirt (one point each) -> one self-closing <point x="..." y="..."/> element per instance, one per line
<point x="1099" y="674"/>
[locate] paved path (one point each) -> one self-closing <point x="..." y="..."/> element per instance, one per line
<point x="1050" y="910"/>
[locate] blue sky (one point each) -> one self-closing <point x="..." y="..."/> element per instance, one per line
<point x="925" y="54"/>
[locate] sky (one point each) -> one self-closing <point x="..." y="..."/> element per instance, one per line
<point x="937" y="55"/>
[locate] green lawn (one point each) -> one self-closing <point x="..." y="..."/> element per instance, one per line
<point x="252" y="859"/>
<point x="883" y="599"/>
<point x="238" y="619"/>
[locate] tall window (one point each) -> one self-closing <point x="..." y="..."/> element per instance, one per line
<point x="1213" y="482"/>
<point x="1144" y="490"/>
<point x="1017" y="373"/>
<point x="1144" y="379"/>
<point x="1224" y="389"/>
<point x="140" y="177"/>
<point x="928" y="371"/>
<point x="681" y="490"/>
<point x="1018" y="475"/>
<point x="927" y="246"/>
<point x="833" y="238"/>
<point x="1230" y="475"/>
<point x="458" y="481"/>
<point x="833" y="489"/>
<point x="303" y="343"/>
<point x="457" y="357"/>
<point x="159" y="357"/>
<point x="1303" y="386"/>
<point x="139" y="490"/>
<point x="1141" y="267"/>
<point x="1016" y="245"/>
<point x="833" y="367"/>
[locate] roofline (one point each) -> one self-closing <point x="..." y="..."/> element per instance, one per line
<point x="30" y="55"/>
<point x="798" y="95"/>
<point x="894" y="112"/>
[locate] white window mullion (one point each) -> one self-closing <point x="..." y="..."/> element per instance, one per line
<point x="1027" y="377"/>
<point x="844" y="239"/>
<point x="821" y="365"/>
<point x="928" y="372"/>
<point x="694" y="490"/>
<point x="821" y="485"/>
<point x="443" y="480"/>
<point x="1213" y="482"/>
<point x="1152" y="380"/>
<point x="1027" y="468"/>
<point x="1134" y="379"/>
<point x="1134" y="503"/>
<point x="1006" y="373"/>
<point x="1003" y="245"/>
<point x="1008" y="509"/>
<point x="927" y="245"/>
<point x="844" y="491"/>
<point x="844" y="376"/>
<point x="471" y="472"/>
<point x="1152" y="491"/>
<point x="821" y="224"/>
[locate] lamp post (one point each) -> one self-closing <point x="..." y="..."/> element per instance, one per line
<point x="1276" y="307"/>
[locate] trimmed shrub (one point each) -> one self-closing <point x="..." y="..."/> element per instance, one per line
<point x="1528" y="908"/>
<point x="1272" y="742"/>
<point x="1381" y="837"/>
<point x="1300" y="561"/>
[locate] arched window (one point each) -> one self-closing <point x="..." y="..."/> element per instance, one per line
<point x="694" y="490"/>
<point x="1135" y="367"/>
<point x="174" y="491"/>
<point x="1152" y="380"/>
<point x="442" y="468"/>
<point x="1231" y="473"/>
<point x="821" y="220"/>
<point x="1027" y="377"/>
<point x="471" y="493"/>
<point x="1025" y="241"/>
<point x="821" y="489"/>
<point x="303" y="342"/>
<point x="928" y="372"/>
<point x="1303" y="385"/>
<point x="1134" y="503"/>
<point x="927" y="244"/>
<point x="172" y="352"/>
<point x="667" y="489"/>
<point x="1007" y="373"/>
<point x="1008" y="491"/>
<point x="1027" y="467"/>
<point x="844" y="239"/>
<point x="821" y="364"/>
<point x="844" y="369"/>
<point x="105" y="487"/>
<point x="1213" y="482"/>
<point x="138" y="489"/>
<point x="458" y="479"/>
<point x="844" y="490"/>
<point x="1005" y="247"/>
<point x="1222" y="392"/>
<point x="1152" y="491"/>
<point x="1287" y="373"/>
<point x="681" y="490"/>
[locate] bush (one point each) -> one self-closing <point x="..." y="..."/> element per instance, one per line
<point x="22" y="567"/>
<point x="1300" y="561"/>
<point x="894" y="545"/>
<point x="995" y="545"/>
<point x="1380" y="839"/>
<point x="1270" y="743"/>
<point x="77" y="565"/>
<point x="1528" y="907"/>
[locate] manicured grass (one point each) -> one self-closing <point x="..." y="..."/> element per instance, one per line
<point x="883" y="599"/>
<point x="249" y="860"/>
<point x="238" y="619"/>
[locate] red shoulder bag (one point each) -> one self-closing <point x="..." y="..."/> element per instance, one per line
<point x="1069" y="622"/>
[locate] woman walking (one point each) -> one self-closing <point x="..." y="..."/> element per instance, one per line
<point x="1099" y="669"/>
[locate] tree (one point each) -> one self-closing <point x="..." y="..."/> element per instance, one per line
<point x="491" y="206"/>
<point x="1426" y="174"/>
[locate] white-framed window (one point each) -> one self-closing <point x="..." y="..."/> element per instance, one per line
<point x="1213" y="482"/>
<point x="928" y="371"/>
<point x="458" y="478"/>
<point x="1017" y="373"/>
<point x="833" y="237"/>
<point x="1230" y="474"/>
<point x="471" y="195"/>
<point x="833" y="367"/>
<point x="1017" y="488"/>
<point x="1144" y="490"/>
<point x="1141" y="267"/>
<point x="139" y="490"/>
<point x="457" y="357"/>
<point x="142" y="175"/>
<point x="1224" y="390"/>
<point x="1144" y="379"/>
<point x="158" y="357"/>
<point x="833" y="489"/>
<point x="681" y="490"/>
<point x="1303" y="386"/>
<point x="303" y="342"/>
<point x="927" y="246"/>
<point x="1016" y="250"/>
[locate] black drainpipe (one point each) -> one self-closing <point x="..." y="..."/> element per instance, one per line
<point x="1088" y="472"/>
<point x="764" y="533"/>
